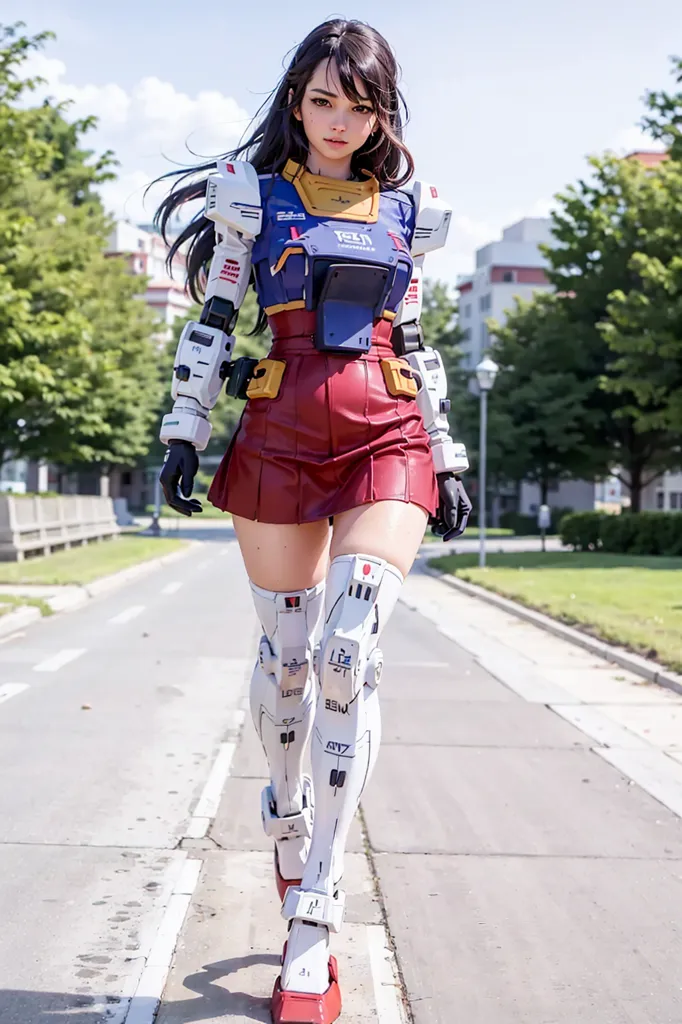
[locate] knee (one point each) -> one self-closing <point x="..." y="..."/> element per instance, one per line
<point x="339" y="662"/>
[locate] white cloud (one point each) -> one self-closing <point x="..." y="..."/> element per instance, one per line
<point x="631" y="139"/>
<point x="152" y="128"/>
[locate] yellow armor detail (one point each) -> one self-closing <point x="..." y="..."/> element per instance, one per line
<point x="399" y="378"/>
<point x="266" y="380"/>
<point x="329" y="197"/>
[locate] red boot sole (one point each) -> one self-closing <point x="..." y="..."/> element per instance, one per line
<point x="307" y="1007"/>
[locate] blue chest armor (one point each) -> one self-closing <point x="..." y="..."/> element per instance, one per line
<point x="340" y="248"/>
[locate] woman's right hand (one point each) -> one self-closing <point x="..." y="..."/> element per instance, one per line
<point x="180" y="466"/>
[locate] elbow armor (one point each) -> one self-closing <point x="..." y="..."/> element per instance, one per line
<point x="203" y="358"/>
<point x="432" y="221"/>
<point x="448" y="456"/>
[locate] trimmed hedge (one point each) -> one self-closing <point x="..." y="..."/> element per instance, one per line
<point x="630" y="533"/>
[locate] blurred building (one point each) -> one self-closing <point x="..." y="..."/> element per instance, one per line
<point x="145" y="252"/>
<point x="510" y="268"/>
<point x="506" y="269"/>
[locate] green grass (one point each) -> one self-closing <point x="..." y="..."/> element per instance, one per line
<point x="209" y="512"/>
<point x="10" y="602"/>
<point x="624" y="599"/>
<point x="472" y="533"/>
<point x="85" y="564"/>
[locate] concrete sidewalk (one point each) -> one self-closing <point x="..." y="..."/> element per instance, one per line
<point x="522" y="828"/>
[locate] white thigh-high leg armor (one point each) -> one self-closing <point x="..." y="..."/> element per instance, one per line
<point x="361" y="594"/>
<point x="282" y="701"/>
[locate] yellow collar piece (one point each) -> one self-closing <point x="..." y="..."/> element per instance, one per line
<point x="330" y="197"/>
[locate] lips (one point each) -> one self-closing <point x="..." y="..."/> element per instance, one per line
<point x="336" y="142"/>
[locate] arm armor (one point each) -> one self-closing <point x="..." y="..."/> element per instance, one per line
<point x="432" y="220"/>
<point x="202" y="360"/>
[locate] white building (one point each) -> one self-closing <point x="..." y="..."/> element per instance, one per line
<point x="664" y="494"/>
<point x="512" y="267"/>
<point x="146" y="254"/>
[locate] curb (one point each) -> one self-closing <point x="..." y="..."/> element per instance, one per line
<point x="13" y="621"/>
<point x="117" y="579"/>
<point x="650" y="670"/>
<point x="73" y="596"/>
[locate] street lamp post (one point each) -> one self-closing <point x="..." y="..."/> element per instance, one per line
<point x="486" y="371"/>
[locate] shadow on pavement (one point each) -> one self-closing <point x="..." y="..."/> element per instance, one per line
<point x="19" y="1006"/>
<point x="218" y="1001"/>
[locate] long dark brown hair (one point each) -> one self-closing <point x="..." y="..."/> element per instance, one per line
<point x="356" y="49"/>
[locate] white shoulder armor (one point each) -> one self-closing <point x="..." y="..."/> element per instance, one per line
<point x="233" y="198"/>
<point x="432" y="219"/>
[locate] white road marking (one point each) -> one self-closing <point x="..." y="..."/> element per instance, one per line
<point x="127" y="615"/>
<point x="387" y="992"/>
<point x="198" y="827"/>
<point x="145" y="1002"/>
<point x="172" y="588"/>
<point x="207" y="807"/>
<point x="204" y="564"/>
<point x="210" y="797"/>
<point x="57" y="661"/>
<point x="11" y="690"/>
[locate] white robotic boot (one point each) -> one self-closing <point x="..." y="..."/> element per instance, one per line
<point x="282" y="700"/>
<point x="361" y="594"/>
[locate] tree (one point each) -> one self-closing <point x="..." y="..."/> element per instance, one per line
<point x="607" y="231"/>
<point x="664" y="122"/>
<point x="644" y="325"/>
<point x="77" y="365"/>
<point x="542" y="426"/>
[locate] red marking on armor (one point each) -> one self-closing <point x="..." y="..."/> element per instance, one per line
<point x="397" y="241"/>
<point x="412" y="292"/>
<point x="366" y="569"/>
<point x="230" y="271"/>
<point x="230" y="169"/>
<point x="434" y="192"/>
<point x="294" y="232"/>
<point x="292" y="602"/>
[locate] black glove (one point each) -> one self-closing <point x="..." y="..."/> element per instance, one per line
<point x="454" y="507"/>
<point x="180" y="463"/>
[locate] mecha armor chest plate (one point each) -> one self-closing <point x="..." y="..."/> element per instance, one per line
<point x="341" y="248"/>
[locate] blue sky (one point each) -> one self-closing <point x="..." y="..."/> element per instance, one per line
<point x="506" y="99"/>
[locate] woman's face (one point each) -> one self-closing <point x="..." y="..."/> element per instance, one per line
<point x="335" y="125"/>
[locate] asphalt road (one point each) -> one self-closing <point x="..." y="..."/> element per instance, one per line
<point x="518" y="860"/>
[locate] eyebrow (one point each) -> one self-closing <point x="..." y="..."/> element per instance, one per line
<point x="335" y="95"/>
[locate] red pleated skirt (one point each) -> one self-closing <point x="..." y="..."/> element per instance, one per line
<point x="333" y="439"/>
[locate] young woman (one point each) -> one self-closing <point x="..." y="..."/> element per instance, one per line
<point x="343" y="451"/>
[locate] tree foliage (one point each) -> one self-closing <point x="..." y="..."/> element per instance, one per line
<point x="612" y="232"/>
<point x="542" y="425"/>
<point x="78" y="378"/>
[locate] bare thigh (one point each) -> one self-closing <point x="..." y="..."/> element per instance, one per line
<point x="283" y="557"/>
<point x="392" y="530"/>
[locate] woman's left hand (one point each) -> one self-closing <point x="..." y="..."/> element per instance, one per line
<point x="454" y="507"/>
